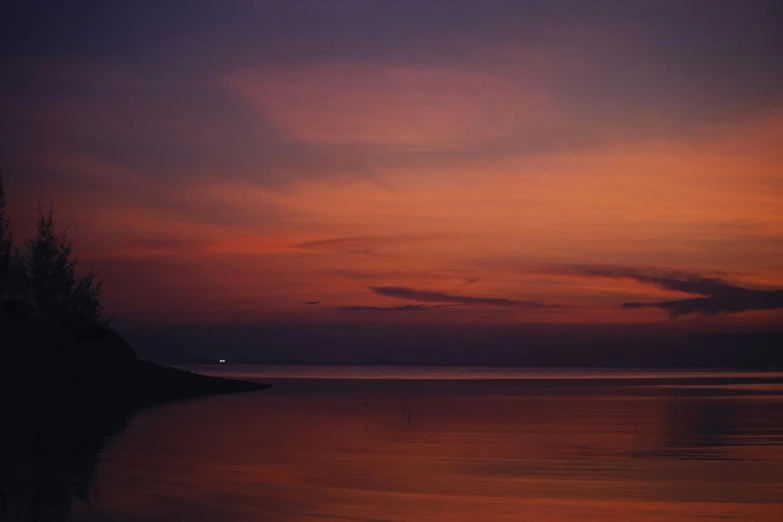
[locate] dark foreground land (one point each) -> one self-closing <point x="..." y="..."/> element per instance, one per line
<point x="40" y="360"/>
<point x="139" y="384"/>
<point x="63" y="395"/>
<point x="55" y="430"/>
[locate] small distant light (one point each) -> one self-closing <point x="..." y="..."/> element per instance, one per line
<point x="222" y="360"/>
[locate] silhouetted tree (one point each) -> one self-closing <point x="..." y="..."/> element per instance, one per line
<point x="6" y="246"/>
<point x="18" y="274"/>
<point x="57" y="293"/>
<point x="86" y="302"/>
<point x="50" y="269"/>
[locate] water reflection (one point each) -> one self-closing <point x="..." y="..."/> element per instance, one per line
<point x="452" y="450"/>
<point x="49" y="450"/>
<point x="314" y="450"/>
<point x="710" y="428"/>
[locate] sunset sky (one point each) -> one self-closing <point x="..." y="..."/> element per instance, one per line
<point x="442" y="162"/>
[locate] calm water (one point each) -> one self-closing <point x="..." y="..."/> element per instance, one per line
<point x="402" y="444"/>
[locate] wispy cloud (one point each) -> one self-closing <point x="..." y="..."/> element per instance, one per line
<point x="691" y="283"/>
<point x="365" y="245"/>
<point x="718" y="295"/>
<point x="421" y="108"/>
<point x="430" y="296"/>
<point x="752" y="300"/>
<point x="356" y="245"/>
<point x="403" y="308"/>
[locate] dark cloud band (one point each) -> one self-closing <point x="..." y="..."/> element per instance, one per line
<point x="429" y="296"/>
<point x="718" y="295"/>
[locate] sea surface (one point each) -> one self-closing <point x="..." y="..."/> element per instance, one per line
<point x="400" y="443"/>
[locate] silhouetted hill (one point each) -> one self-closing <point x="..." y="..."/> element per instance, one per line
<point x="40" y="359"/>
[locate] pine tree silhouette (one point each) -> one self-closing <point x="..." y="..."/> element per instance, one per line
<point x="50" y="269"/>
<point x="6" y="246"/>
<point x="51" y="282"/>
<point x="43" y="277"/>
<point x="86" y="300"/>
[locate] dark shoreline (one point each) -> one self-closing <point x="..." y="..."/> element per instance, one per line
<point x="58" y="421"/>
<point x="46" y="361"/>
<point x="139" y="385"/>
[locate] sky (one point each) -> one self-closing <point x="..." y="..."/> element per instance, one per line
<point x="555" y="164"/>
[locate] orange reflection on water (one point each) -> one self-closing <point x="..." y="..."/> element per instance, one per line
<point x="451" y="450"/>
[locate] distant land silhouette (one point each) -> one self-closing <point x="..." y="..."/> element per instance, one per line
<point x="382" y="361"/>
<point x="457" y="345"/>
